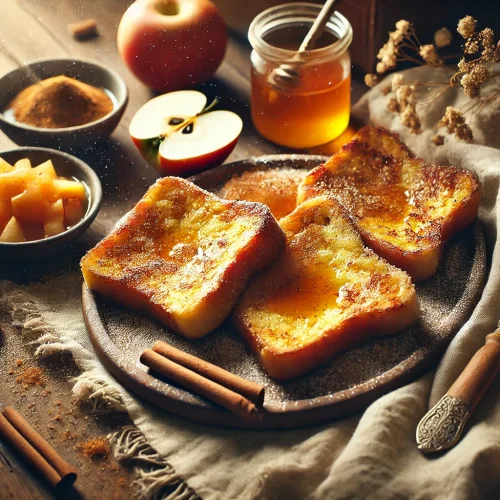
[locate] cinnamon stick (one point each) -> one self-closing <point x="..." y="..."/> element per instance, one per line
<point x="197" y="383"/>
<point x="249" y="389"/>
<point x="65" y="470"/>
<point x="12" y="438"/>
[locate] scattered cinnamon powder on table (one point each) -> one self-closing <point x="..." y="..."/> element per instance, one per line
<point x="60" y="102"/>
<point x="96" y="448"/>
<point x="31" y="376"/>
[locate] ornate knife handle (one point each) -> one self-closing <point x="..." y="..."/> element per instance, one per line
<point x="442" y="426"/>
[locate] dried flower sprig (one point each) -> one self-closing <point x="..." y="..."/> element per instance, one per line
<point x="473" y="70"/>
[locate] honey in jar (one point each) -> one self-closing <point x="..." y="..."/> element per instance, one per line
<point x="312" y="108"/>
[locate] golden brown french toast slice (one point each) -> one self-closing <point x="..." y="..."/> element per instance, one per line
<point x="275" y="187"/>
<point x="184" y="255"/>
<point x="404" y="208"/>
<point x="325" y="293"/>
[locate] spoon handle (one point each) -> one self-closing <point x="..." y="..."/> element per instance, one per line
<point x="318" y="26"/>
<point x="442" y="427"/>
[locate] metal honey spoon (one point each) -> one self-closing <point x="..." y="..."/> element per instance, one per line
<point x="287" y="76"/>
<point x="442" y="426"/>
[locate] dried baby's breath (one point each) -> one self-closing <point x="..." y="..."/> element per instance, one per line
<point x="497" y="52"/>
<point x="464" y="66"/>
<point x="410" y="118"/>
<point x="466" y="27"/>
<point x="392" y="105"/>
<point x="387" y="57"/>
<point x="403" y="26"/>
<point x="487" y="37"/>
<point x="454" y="121"/>
<point x="474" y="68"/>
<point x="429" y="55"/>
<point x="397" y="81"/>
<point x="488" y="54"/>
<point x="442" y="38"/>
<point x="371" y="80"/>
<point x="471" y="47"/>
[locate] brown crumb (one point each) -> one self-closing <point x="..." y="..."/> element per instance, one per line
<point x="11" y="372"/>
<point x="52" y="428"/>
<point x="31" y="376"/>
<point x="69" y="435"/>
<point x="58" y="403"/>
<point x="46" y="393"/>
<point x="122" y="482"/>
<point x="84" y="30"/>
<point x="58" y="418"/>
<point x="19" y="362"/>
<point x="96" y="448"/>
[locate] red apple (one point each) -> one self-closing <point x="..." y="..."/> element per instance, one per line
<point x="172" y="44"/>
<point x="180" y="136"/>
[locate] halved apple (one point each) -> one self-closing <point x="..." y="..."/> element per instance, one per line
<point x="180" y="136"/>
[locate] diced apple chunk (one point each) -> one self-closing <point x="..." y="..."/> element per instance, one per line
<point x="73" y="211"/>
<point x="54" y="223"/>
<point x="48" y="190"/>
<point x="31" y="231"/>
<point x="36" y="203"/>
<point x="30" y="205"/>
<point x="45" y="169"/>
<point x="70" y="189"/>
<point x="5" y="212"/>
<point x="5" y="166"/>
<point x="53" y="227"/>
<point x="14" y="182"/>
<point x="56" y="209"/>
<point x="13" y="232"/>
<point x="23" y="164"/>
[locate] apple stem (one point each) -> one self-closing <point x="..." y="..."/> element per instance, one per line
<point x="209" y="107"/>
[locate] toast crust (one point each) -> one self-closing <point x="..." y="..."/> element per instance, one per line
<point x="325" y="294"/>
<point x="184" y="255"/>
<point x="404" y="208"/>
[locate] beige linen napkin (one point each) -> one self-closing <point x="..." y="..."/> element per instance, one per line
<point x="372" y="455"/>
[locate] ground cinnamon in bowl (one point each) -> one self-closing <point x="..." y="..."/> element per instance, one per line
<point x="60" y="102"/>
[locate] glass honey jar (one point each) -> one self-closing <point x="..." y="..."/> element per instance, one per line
<point x="312" y="107"/>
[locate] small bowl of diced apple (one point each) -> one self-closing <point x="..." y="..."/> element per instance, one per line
<point x="47" y="199"/>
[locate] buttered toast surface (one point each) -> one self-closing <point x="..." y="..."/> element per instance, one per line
<point x="184" y="255"/>
<point x="325" y="293"/>
<point x="404" y="208"/>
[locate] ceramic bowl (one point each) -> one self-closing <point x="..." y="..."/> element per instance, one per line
<point x="90" y="72"/>
<point x="66" y="166"/>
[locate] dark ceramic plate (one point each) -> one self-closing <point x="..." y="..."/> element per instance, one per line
<point x="345" y="385"/>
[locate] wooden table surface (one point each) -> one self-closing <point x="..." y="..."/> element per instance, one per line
<point x="32" y="29"/>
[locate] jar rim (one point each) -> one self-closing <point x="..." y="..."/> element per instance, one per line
<point x="285" y="14"/>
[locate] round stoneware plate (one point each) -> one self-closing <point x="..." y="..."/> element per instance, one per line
<point x="345" y="385"/>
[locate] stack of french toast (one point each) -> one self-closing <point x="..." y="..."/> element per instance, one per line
<point x="337" y="270"/>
